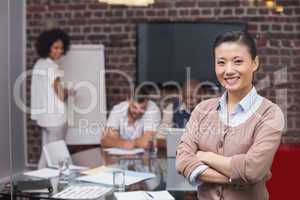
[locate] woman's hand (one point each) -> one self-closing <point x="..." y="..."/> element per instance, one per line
<point x="204" y="155"/>
<point x="216" y="161"/>
<point x="60" y="91"/>
<point x="128" y="144"/>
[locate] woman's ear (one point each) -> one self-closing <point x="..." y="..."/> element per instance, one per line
<point x="255" y="64"/>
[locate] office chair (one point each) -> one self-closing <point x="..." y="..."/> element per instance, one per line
<point x="55" y="152"/>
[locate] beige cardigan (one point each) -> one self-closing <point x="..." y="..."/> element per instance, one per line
<point x="251" y="145"/>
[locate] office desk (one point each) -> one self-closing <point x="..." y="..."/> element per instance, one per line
<point x="164" y="169"/>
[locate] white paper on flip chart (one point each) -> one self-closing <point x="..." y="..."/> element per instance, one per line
<point x="120" y="151"/>
<point x="144" y="195"/>
<point x="43" y="173"/>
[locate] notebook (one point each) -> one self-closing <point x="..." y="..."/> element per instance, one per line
<point x="120" y="151"/>
<point x="144" y="195"/>
<point x="43" y="173"/>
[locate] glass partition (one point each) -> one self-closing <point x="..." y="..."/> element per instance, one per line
<point x="12" y="54"/>
<point x="277" y="78"/>
<point x="17" y="84"/>
<point x="4" y="88"/>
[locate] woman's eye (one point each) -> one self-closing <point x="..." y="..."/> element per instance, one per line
<point x="238" y="62"/>
<point x="221" y="63"/>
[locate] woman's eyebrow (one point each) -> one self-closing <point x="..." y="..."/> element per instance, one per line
<point x="237" y="57"/>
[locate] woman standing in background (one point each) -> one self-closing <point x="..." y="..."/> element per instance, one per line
<point x="230" y="142"/>
<point x="47" y="93"/>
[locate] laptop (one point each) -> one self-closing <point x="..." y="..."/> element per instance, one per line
<point x="173" y="136"/>
<point x="175" y="182"/>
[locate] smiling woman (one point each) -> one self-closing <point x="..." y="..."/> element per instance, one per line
<point x="230" y="142"/>
<point x="47" y="92"/>
<point x="235" y="63"/>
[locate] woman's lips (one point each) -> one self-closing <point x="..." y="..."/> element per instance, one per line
<point x="232" y="80"/>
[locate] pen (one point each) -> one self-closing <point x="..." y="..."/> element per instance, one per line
<point x="150" y="195"/>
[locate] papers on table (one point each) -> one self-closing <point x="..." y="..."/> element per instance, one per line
<point x="71" y="167"/>
<point x="43" y="173"/>
<point x="50" y="172"/>
<point x="105" y="176"/>
<point x="144" y="195"/>
<point x="95" y="170"/>
<point x="82" y="192"/>
<point x="120" y="151"/>
<point x="76" y="167"/>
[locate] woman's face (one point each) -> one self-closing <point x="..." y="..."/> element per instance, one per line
<point x="56" y="50"/>
<point x="234" y="66"/>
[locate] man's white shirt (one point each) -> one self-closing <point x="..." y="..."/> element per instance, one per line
<point x="118" y="119"/>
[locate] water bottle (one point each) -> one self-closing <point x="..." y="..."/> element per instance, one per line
<point x="64" y="170"/>
<point x="152" y="147"/>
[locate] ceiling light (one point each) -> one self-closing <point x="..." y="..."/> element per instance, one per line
<point x="279" y="8"/>
<point x="128" y="2"/>
<point x="270" y="4"/>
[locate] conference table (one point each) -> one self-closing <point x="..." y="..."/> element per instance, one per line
<point x="164" y="168"/>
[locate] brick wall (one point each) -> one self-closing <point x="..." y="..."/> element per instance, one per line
<point x="90" y="22"/>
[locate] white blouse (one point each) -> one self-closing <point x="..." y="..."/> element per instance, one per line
<point x="46" y="108"/>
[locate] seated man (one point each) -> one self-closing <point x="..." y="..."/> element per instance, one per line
<point x="132" y="123"/>
<point x="177" y="113"/>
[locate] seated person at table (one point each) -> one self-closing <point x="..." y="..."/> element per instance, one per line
<point x="177" y="113"/>
<point x="133" y="123"/>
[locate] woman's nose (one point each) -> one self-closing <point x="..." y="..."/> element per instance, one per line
<point x="229" y="70"/>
